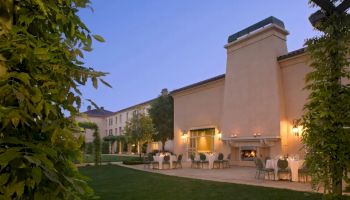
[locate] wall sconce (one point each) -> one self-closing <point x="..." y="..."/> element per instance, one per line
<point x="256" y="134"/>
<point x="295" y="129"/>
<point x="184" y="135"/>
<point x="219" y="136"/>
<point x="234" y="135"/>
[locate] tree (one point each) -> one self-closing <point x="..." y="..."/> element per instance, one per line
<point x="41" y="70"/>
<point x="139" y="130"/>
<point x="327" y="115"/>
<point x="96" y="142"/>
<point x="162" y="114"/>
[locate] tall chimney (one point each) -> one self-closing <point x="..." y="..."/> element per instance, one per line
<point x="164" y="92"/>
<point x="253" y="80"/>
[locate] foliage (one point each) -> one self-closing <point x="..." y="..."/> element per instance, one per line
<point x="162" y="114"/>
<point x="105" y="147"/>
<point x="133" y="162"/>
<point x="97" y="139"/>
<point x="41" y="70"/>
<point x="89" y="147"/>
<point x="327" y="114"/>
<point x="109" y="158"/>
<point x="113" y="138"/>
<point x="139" y="129"/>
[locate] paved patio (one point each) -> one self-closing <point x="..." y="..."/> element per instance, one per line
<point x="234" y="174"/>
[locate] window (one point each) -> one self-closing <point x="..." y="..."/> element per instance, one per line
<point x="106" y="132"/>
<point x="120" y="130"/>
<point x="201" y="141"/>
<point x="116" y="131"/>
<point x="110" y="132"/>
<point x="116" y="119"/>
<point x="127" y="116"/>
<point x="110" y="121"/>
<point x="120" y="118"/>
<point x="155" y="146"/>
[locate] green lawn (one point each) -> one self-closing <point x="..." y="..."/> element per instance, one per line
<point x="113" y="182"/>
<point x="109" y="158"/>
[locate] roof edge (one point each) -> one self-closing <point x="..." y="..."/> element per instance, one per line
<point x="139" y="104"/>
<point x="215" y="78"/>
<point x="292" y="54"/>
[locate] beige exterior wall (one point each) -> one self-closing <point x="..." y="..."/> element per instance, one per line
<point x="293" y="75"/>
<point x="100" y="121"/>
<point x="253" y="108"/>
<point x="196" y="108"/>
<point x="254" y="105"/>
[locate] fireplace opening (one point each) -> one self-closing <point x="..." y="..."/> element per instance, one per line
<point x="248" y="153"/>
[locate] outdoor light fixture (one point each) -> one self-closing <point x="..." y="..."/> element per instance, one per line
<point x="295" y="129"/>
<point x="184" y="135"/>
<point x="219" y="136"/>
<point x="234" y="135"/>
<point x="256" y="134"/>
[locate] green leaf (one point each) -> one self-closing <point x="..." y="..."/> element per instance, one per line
<point x="41" y="6"/>
<point x="7" y="156"/>
<point x="4" y="177"/>
<point x="87" y="48"/>
<point x="2" y="58"/>
<point x="24" y="77"/>
<point x="105" y="83"/>
<point x="15" y="121"/>
<point x="19" y="188"/>
<point x="99" y="38"/>
<point x="94" y="82"/>
<point x="36" y="173"/>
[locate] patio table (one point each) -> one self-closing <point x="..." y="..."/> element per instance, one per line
<point x="294" y="165"/>
<point x="160" y="159"/>
<point x="209" y="157"/>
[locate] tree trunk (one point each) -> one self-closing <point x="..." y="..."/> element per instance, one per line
<point x="163" y="145"/>
<point x="337" y="182"/>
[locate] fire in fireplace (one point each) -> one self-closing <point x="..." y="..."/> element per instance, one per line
<point x="248" y="153"/>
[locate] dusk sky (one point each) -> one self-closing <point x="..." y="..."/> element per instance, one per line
<point x="155" y="44"/>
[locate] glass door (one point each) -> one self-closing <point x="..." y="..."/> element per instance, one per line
<point x="201" y="141"/>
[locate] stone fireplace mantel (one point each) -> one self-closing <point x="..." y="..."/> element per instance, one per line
<point x="259" y="141"/>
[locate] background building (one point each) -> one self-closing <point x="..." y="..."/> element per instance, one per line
<point x="113" y="124"/>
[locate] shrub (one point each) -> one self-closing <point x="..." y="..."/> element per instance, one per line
<point x="105" y="147"/>
<point x="89" y="148"/>
<point x="133" y="162"/>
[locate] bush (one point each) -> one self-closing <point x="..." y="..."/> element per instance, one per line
<point x="105" y="147"/>
<point x="132" y="162"/>
<point x="89" y="148"/>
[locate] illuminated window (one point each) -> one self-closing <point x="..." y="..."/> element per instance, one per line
<point x="155" y="146"/>
<point x="201" y="141"/>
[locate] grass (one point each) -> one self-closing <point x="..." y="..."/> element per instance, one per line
<point x="115" y="182"/>
<point x="109" y="158"/>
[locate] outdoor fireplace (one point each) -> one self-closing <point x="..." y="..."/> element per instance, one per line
<point x="248" y="153"/>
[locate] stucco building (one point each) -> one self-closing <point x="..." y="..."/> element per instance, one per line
<point x="250" y="110"/>
<point x="113" y="124"/>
